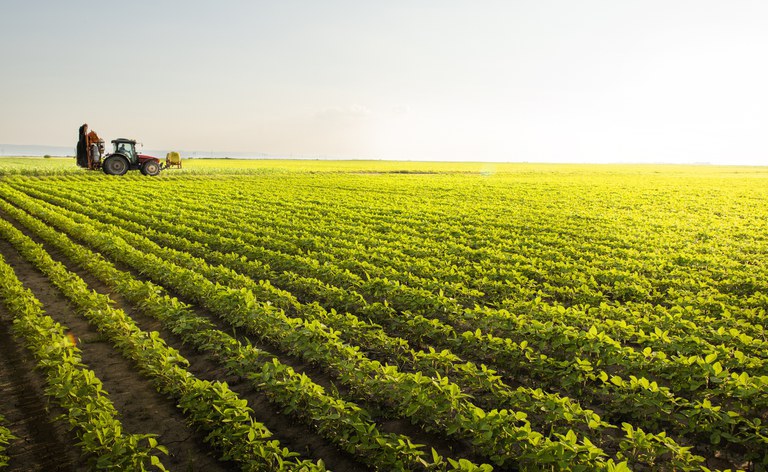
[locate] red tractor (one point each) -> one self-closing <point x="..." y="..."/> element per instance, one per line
<point x="90" y="155"/>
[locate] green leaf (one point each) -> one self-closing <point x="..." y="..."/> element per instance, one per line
<point x="156" y="462"/>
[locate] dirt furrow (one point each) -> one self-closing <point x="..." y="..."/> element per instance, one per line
<point x="142" y="409"/>
<point x="42" y="444"/>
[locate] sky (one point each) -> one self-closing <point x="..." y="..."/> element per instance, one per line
<point x="652" y="81"/>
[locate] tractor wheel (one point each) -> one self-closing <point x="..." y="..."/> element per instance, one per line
<point x="150" y="168"/>
<point x="115" y="165"/>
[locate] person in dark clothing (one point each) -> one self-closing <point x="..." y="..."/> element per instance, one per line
<point x="82" y="146"/>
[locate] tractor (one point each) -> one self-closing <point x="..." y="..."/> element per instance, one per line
<point x="90" y="154"/>
<point x="126" y="158"/>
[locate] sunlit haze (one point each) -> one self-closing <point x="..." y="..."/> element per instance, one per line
<point x="551" y="81"/>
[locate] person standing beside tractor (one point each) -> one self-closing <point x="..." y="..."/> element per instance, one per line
<point x="82" y="150"/>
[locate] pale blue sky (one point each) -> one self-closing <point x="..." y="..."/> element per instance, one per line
<point x="543" y="80"/>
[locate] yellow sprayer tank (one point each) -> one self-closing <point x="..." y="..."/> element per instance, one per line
<point x="173" y="159"/>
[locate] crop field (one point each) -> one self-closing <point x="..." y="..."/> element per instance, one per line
<point x="283" y="315"/>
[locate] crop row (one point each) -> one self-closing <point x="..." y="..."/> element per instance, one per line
<point x="559" y="409"/>
<point x="671" y="334"/>
<point x="598" y="348"/>
<point x="512" y="238"/>
<point x="702" y="417"/>
<point x="527" y="263"/>
<point x="342" y="422"/>
<point x="73" y="387"/>
<point x="695" y="335"/>
<point x="5" y="439"/>
<point x="211" y="406"/>
<point x="475" y="345"/>
<point x="580" y="341"/>
<point x="477" y="380"/>
<point x="435" y="402"/>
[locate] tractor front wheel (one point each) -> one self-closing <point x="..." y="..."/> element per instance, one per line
<point x="150" y="168"/>
<point x="115" y="165"/>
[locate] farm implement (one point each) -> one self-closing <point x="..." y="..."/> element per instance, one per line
<point x="124" y="157"/>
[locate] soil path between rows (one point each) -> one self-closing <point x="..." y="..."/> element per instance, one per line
<point x="42" y="444"/>
<point x="142" y="409"/>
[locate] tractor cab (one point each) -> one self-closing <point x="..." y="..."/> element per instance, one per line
<point x="127" y="148"/>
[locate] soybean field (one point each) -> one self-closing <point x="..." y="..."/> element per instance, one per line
<point x="385" y="316"/>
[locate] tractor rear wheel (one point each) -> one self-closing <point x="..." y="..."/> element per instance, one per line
<point x="115" y="165"/>
<point x="150" y="168"/>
